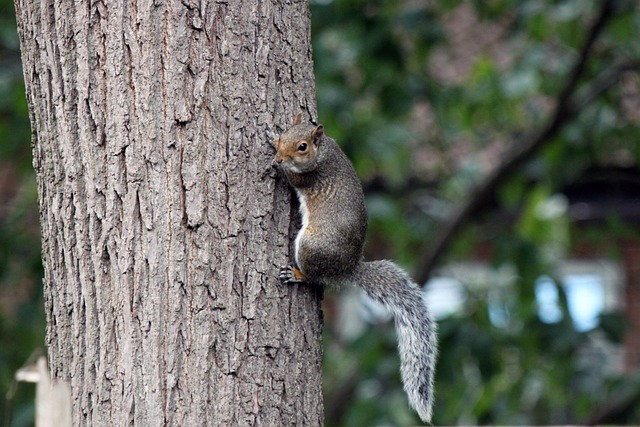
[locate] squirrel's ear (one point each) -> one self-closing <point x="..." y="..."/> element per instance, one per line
<point x="296" y="121"/>
<point x="317" y="133"/>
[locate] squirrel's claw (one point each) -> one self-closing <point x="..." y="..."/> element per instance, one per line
<point x="291" y="275"/>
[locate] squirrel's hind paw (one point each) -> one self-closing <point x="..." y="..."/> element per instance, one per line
<point x="290" y="275"/>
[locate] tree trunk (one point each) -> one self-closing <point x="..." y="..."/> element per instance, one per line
<point x="163" y="225"/>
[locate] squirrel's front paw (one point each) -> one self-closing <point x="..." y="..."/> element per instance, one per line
<point x="290" y="275"/>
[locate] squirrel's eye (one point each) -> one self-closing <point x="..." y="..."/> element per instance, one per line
<point x="302" y="147"/>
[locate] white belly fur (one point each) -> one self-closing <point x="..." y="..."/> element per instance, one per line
<point x="304" y="212"/>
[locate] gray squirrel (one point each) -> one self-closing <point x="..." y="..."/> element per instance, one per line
<point x="329" y="249"/>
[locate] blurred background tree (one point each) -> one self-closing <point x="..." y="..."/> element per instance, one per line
<point x="498" y="143"/>
<point x="21" y="307"/>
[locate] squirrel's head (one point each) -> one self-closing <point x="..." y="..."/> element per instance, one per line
<point x="297" y="148"/>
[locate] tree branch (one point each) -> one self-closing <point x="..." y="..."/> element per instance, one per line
<point x="565" y="110"/>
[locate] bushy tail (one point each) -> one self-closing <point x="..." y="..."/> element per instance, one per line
<point x="388" y="284"/>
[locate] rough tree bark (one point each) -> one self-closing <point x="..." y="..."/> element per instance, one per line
<point x="163" y="226"/>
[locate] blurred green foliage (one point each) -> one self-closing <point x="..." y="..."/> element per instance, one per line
<point x="426" y="97"/>
<point x="21" y="307"/>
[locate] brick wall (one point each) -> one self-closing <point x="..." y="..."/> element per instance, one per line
<point x="631" y="259"/>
